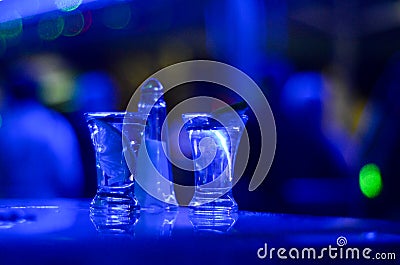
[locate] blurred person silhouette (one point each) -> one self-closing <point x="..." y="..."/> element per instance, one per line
<point x="309" y="174"/>
<point x="303" y="101"/>
<point x="314" y="174"/>
<point x="39" y="155"/>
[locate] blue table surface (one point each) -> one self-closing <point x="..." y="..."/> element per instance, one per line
<point x="60" y="231"/>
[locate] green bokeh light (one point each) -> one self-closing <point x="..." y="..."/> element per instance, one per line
<point x="11" y="28"/>
<point x="68" y="5"/>
<point x="50" y="27"/>
<point x="370" y="180"/>
<point x="73" y="24"/>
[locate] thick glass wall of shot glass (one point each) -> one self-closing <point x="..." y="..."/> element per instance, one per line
<point x="214" y="146"/>
<point x="114" y="136"/>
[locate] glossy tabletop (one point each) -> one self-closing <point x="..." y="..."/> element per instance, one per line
<point x="60" y="232"/>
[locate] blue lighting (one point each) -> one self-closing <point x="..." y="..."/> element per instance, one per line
<point x="302" y="97"/>
<point x="246" y="33"/>
<point x="105" y="96"/>
<point x="29" y="8"/>
<point x="303" y="87"/>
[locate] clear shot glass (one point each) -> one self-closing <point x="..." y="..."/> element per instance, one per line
<point x="115" y="137"/>
<point x="214" y="145"/>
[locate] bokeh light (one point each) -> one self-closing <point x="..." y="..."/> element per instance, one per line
<point x="174" y="51"/>
<point x="56" y="82"/>
<point x="11" y="28"/>
<point x="73" y="24"/>
<point x="68" y="5"/>
<point x="88" y="19"/>
<point x="50" y="27"/>
<point x="57" y="88"/>
<point x="117" y="17"/>
<point x="300" y="89"/>
<point x="370" y="180"/>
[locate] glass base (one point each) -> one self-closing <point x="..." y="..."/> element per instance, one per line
<point x="114" y="207"/>
<point x="111" y="226"/>
<point x="224" y="205"/>
<point x="219" y="223"/>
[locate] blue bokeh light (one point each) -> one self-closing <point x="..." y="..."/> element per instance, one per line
<point x="117" y="17"/>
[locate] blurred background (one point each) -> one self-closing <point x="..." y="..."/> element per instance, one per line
<point x="330" y="70"/>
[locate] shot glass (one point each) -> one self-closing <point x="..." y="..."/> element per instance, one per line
<point x="214" y="144"/>
<point x="115" y="137"/>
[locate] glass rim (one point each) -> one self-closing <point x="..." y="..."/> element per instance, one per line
<point x="208" y="115"/>
<point x="115" y="114"/>
<point x="191" y="118"/>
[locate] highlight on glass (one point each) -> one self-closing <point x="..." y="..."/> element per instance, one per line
<point x="115" y="136"/>
<point x="214" y="143"/>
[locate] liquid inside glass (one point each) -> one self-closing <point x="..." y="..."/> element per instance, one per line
<point x="214" y="145"/>
<point x="115" y="202"/>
